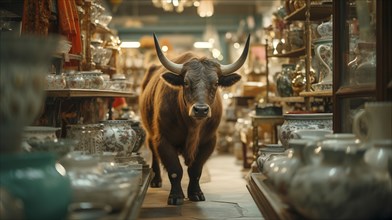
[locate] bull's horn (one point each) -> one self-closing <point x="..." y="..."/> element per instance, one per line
<point x="173" y="67"/>
<point x="230" y="68"/>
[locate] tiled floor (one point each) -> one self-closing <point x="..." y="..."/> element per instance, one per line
<point x="224" y="187"/>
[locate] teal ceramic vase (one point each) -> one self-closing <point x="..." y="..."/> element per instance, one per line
<point x="43" y="186"/>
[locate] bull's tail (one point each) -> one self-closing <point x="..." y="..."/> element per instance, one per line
<point x="149" y="73"/>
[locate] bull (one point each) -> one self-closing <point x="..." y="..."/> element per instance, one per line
<point x="181" y="110"/>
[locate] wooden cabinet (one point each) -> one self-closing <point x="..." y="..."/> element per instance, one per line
<point x="362" y="57"/>
<point x="350" y="91"/>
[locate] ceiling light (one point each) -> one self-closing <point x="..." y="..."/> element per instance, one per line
<point x="130" y="44"/>
<point x="202" y="44"/>
<point x="171" y="5"/>
<point x="206" y="8"/>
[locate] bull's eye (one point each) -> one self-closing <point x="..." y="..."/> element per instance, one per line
<point x="186" y="83"/>
<point x="216" y="84"/>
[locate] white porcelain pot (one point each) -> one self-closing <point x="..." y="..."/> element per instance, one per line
<point x="294" y="122"/>
<point x="119" y="136"/>
<point x="39" y="134"/>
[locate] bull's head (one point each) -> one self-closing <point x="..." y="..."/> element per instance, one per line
<point x="200" y="79"/>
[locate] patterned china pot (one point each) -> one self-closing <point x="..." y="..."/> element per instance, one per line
<point x="294" y="122"/>
<point x="90" y="137"/>
<point x="34" y="134"/>
<point x="140" y="133"/>
<point x="119" y="136"/>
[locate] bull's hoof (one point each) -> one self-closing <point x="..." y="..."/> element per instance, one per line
<point x="199" y="196"/>
<point x="175" y="200"/>
<point x="156" y="183"/>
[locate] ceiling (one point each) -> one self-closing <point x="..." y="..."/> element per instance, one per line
<point x="137" y="17"/>
<point x="222" y="7"/>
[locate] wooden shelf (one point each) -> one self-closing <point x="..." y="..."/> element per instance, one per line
<point x="293" y="53"/>
<point x="267" y="200"/>
<point x="357" y="89"/>
<point x="286" y="99"/>
<point x="87" y="93"/>
<point x="317" y="12"/>
<point x="67" y="56"/>
<point x="326" y="93"/>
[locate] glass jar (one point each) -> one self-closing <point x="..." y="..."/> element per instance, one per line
<point x="283" y="80"/>
<point x="75" y="80"/>
<point x="93" y="79"/>
<point x="55" y="81"/>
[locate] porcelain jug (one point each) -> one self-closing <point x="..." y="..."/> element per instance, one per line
<point x="374" y="121"/>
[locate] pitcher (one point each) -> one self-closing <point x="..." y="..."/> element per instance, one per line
<point x="374" y="122"/>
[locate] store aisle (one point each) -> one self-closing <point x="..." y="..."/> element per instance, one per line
<point x="225" y="190"/>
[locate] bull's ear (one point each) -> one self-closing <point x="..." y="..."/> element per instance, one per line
<point x="173" y="79"/>
<point x="229" y="80"/>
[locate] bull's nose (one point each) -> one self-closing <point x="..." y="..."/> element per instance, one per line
<point x="200" y="110"/>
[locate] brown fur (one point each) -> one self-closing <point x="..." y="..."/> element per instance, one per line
<point x="164" y="115"/>
<point x="181" y="113"/>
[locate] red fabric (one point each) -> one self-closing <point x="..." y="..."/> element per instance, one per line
<point x="119" y="102"/>
<point x="69" y="24"/>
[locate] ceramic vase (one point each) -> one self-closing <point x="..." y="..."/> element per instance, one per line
<point x="34" y="134"/>
<point x="119" y="136"/>
<point x="267" y="154"/>
<point x="283" y="80"/>
<point x="90" y="137"/>
<point x="24" y="63"/>
<point x="294" y="122"/>
<point x="140" y="135"/>
<point x="285" y="169"/>
<point x="38" y="181"/>
<point x="342" y="186"/>
<point x="379" y="154"/>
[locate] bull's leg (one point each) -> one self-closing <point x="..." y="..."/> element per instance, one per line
<point x="194" y="170"/>
<point x="156" y="182"/>
<point x="169" y="158"/>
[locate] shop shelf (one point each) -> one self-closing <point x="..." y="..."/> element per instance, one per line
<point x="267" y="200"/>
<point x="87" y="93"/>
<point x="67" y="56"/>
<point x="292" y="53"/>
<point x="326" y="93"/>
<point x="286" y="99"/>
<point x="317" y="12"/>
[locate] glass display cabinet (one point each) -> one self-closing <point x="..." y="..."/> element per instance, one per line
<point x="362" y="57"/>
